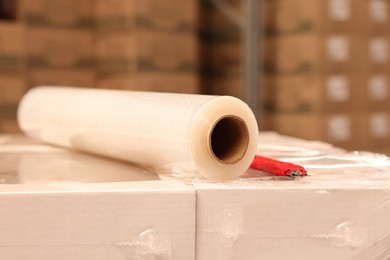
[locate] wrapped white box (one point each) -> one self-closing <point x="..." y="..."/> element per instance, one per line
<point x="340" y="211"/>
<point x="92" y="215"/>
<point x="259" y="222"/>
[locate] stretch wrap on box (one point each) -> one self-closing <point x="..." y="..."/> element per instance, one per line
<point x="215" y="135"/>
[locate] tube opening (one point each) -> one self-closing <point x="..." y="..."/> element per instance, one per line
<point x="229" y="139"/>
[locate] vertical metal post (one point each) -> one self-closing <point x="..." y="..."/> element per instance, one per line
<point x="250" y="52"/>
<point x="249" y="24"/>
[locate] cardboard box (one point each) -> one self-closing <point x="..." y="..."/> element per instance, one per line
<point x="385" y="151"/>
<point x="213" y="20"/>
<point x="332" y="214"/>
<point x="144" y="51"/>
<point x="72" y="14"/>
<point x="12" y="47"/>
<point x="221" y="58"/>
<point x="233" y="86"/>
<point x="376" y="53"/>
<point x="336" y="212"/>
<point x="66" y="205"/>
<point x="312" y="53"/>
<point x="380" y="150"/>
<point x="292" y="54"/>
<point x="321" y="16"/>
<point x="59" y="49"/>
<point x="152" y="81"/>
<point x="286" y="17"/>
<point x="8" y="10"/>
<point x="312" y="93"/>
<point x="8" y="111"/>
<point x="74" y="78"/>
<point x="341" y="129"/>
<point x="136" y="220"/>
<point x="378" y="130"/>
<point x="374" y="93"/>
<point x="9" y="125"/>
<point x="12" y="88"/>
<point x="130" y="15"/>
<point x="376" y="16"/>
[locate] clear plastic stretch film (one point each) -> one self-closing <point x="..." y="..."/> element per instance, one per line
<point x="216" y="135"/>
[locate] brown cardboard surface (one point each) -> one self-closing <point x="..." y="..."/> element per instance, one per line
<point x="375" y="49"/>
<point x="8" y="111"/>
<point x="292" y="54"/>
<point x="286" y="17"/>
<point x="12" y="46"/>
<point x="59" y="49"/>
<point x="312" y="93"/>
<point x="169" y="16"/>
<point x="324" y="16"/>
<point x="221" y="58"/>
<point x="378" y="129"/>
<point x="374" y="92"/>
<point x="312" y="53"/>
<point x="212" y="19"/>
<point x="74" y="78"/>
<point x="232" y="86"/>
<point x="9" y="125"/>
<point x="151" y="81"/>
<point x="12" y="88"/>
<point x="145" y="51"/>
<point x="375" y="16"/>
<point x="57" y="13"/>
<point x="341" y="129"/>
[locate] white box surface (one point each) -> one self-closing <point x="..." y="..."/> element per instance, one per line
<point x="90" y="216"/>
<point x="75" y="207"/>
<point x="340" y="211"/>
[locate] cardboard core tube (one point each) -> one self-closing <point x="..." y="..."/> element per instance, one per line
<point x="229" y="139"/>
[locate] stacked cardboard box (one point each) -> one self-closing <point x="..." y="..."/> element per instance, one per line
<point x="60" y="42"/>
<point x="375" y="99"/>
<point x="146" y="45"/>
<point x="326" y="66"/>
<point x="127" y="44"/>
<point x="222" y="48"/>
<point x="331" y="58"/>
<point x="12" y="71"/>
<point x="220" y="52"/>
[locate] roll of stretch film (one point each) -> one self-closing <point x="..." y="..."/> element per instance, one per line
<point x="217" y="135"/>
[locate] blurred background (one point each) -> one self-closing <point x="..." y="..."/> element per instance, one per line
<point x="322" y="74"/>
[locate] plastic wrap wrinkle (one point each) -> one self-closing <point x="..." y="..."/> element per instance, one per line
<point x="217" y="136"/>
<point x="228" y="223"/>
<point x="325" y="165"/>
<point x="312" y="153"/>
<point x="75" y="167"/>
<point x="64" y="167"/>
<point x="384" y="203"/>
<point x="274" y="145"/>
<point x="347" y="234"/>
<point x="149" y="245"/>
<point x="379" y="250"/>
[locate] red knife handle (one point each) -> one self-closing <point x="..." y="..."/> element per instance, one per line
<point x="277" y="167"/>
